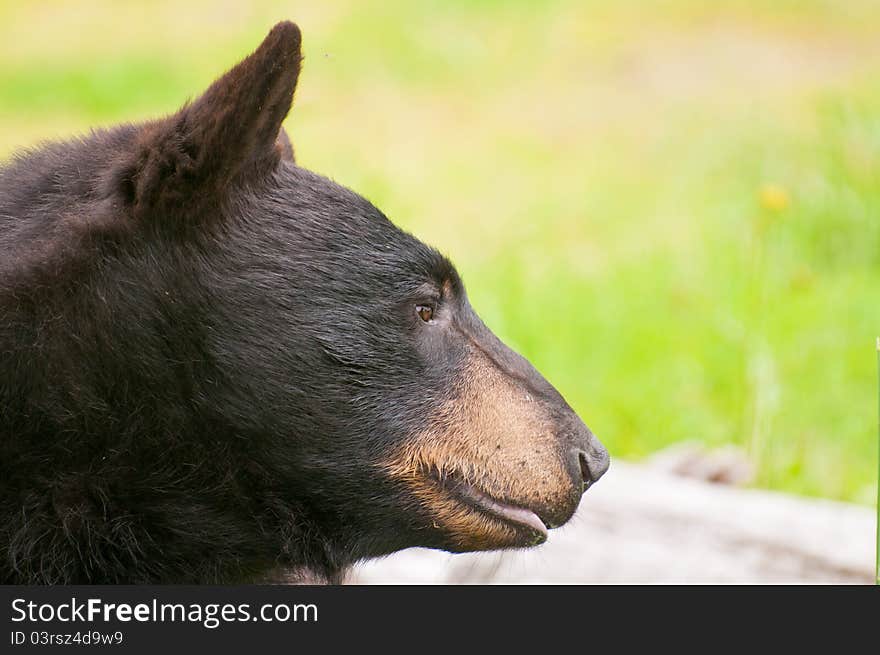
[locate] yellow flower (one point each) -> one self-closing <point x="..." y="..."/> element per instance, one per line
<point x="774" y="197"/>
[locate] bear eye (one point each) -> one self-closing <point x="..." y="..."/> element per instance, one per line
<point x="425" y="312"/>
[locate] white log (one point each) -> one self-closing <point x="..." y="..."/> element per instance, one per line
<point x="639" y="525"/>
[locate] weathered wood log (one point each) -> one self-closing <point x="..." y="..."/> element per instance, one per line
<point x="640" y="525"/>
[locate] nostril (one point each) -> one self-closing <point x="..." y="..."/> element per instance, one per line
<point x="591" y="470"/>
<point x="586" y="475"/>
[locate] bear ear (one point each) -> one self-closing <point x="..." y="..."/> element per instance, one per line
<point x="231" y="132"/>
<point x="285" y="147"/>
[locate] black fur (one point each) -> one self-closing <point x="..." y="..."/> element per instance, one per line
<point x="205" y="350"/>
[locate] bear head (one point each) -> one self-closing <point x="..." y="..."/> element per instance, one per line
<point x="252" y="330"/>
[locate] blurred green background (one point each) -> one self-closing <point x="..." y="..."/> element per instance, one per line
<point x="672" y="208"/>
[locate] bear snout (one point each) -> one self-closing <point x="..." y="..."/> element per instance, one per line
<point x="506" y="459"/>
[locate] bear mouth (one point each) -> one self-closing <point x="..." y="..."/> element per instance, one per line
<point x="525" y="522"/>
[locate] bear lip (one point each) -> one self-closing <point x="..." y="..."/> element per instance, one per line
<point x="505" y="512"/>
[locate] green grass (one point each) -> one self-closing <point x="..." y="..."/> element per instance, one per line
<point x="672" y="208"/>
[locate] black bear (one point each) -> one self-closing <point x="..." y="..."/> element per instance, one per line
<point x="217" y="367"/>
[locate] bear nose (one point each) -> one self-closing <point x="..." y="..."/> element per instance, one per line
<point x="594" y="462"/>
